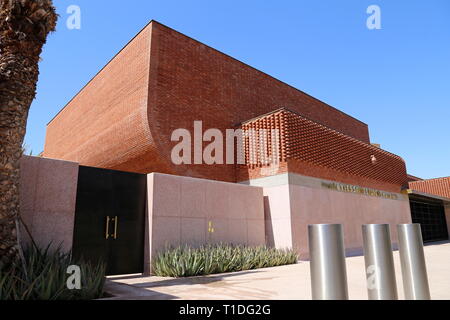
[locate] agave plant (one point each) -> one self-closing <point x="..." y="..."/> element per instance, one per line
<point x="185" y="261"/>
<point x="43" y="276"/>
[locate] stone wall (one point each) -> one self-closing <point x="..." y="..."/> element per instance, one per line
<point x="192" y="211"/>
<point x="181" y="210"/>
<point x="47" y="200"/>
<point x="294" y="201"/>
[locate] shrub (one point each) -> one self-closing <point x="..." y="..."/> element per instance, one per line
<point x="44" y="277"/>
<point x="185" y="261"/>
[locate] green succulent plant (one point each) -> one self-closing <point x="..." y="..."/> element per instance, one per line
<point x="186" y="261"/>
<point x="43" y="276"/>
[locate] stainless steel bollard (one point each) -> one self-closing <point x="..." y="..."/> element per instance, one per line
<point x="379" y="261"/>
<point x="327" y="255"/>
<point x="412" y="258"/>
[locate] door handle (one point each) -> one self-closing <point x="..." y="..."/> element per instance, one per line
<point x="116" y="220"/>
<point x="107" y="228"/>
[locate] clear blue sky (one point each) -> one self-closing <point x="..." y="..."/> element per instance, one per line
<point x="397" y="79"/>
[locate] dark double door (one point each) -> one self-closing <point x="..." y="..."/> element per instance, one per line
<point x="110" y="219"/>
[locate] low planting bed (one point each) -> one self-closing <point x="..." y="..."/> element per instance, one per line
<point x="185" y="261"/>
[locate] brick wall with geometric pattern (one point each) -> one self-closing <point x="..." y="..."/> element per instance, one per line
<point x="313" y="149"/>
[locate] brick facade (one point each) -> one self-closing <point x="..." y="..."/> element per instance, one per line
<point x="309" y="148"/>
<point x="105" y="124"/>
<point x="163" y="80"/>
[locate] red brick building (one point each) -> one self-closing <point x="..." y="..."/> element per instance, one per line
<point x="326" y="171"/>
<point x="162" y="80"/>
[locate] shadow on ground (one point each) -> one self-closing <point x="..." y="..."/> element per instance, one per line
<point x="140" y="290"/>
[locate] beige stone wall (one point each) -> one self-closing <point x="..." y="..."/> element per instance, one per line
<point x="183" y="210"/>
<point x="47" y="200"/>
<point x="294" y="201"/>
<point x="313" y="206"/>
<point x="277" y="211"/>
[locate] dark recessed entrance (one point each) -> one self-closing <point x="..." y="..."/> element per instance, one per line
<point x="110" y="218"/>
<point x="430" y="213"/>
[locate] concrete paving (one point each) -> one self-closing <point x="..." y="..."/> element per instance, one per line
<point x="290" y="282"/>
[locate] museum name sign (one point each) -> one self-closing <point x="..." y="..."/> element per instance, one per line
<point x="360" y="190"/>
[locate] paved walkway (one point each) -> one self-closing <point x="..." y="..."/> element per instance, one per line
<point x="285" y="282"/>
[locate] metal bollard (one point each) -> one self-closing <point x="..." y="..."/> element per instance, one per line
<point x="379" y="261"/>
<point x="327" y="255"/>
<point x="412" y="258"/>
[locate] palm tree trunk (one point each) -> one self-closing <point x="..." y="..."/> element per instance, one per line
<point x="24" y="26"/>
